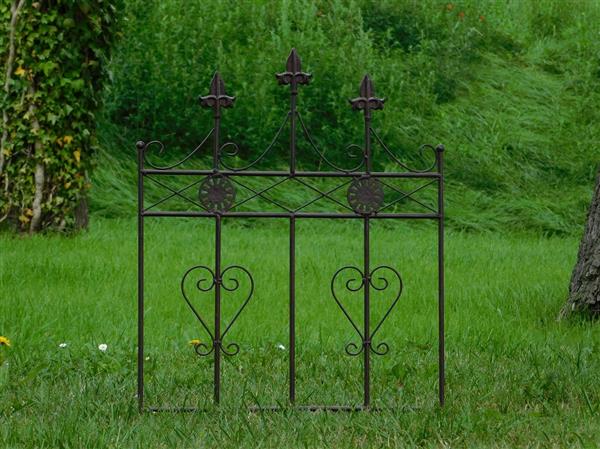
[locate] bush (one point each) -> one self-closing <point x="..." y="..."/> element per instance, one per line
<point x="174" y="47"/>
<point x="509" y="88"/>
<point x="53" y="52"/>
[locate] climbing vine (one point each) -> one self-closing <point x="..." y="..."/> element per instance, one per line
<point x="53" y="53"/>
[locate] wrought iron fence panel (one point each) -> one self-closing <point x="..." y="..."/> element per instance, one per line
<point x="354" y="191"/>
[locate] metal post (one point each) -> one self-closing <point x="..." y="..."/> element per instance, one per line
<point x="367" y="316"/>
<point x="294" y="94"/>
<point x="441" y="287"/>
<point x="293" y="76"/>
<point x="218" y="281"/>
<point x="292" y="356"/>
<point x="140" y="305"/>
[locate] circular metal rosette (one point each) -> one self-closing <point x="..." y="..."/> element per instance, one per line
<point x="365" y="195"/>
<point x="217" y="193"/>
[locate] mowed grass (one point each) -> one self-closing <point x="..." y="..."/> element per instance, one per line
<point x="516" y="377"/>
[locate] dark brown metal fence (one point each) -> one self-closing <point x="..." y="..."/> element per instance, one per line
<point x="369" y="195"/>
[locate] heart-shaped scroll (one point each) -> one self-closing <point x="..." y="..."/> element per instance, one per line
<point x="208" y="281"/>
<point x="357" y="283"/>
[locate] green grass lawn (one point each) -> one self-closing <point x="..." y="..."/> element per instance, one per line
<point x="516" y="376"/>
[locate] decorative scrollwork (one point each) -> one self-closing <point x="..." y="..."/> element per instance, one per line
<point x="206" y="282"/>
<point x="353" y="284"/>
<point x="217" y="193"/>
<point x="321" y="154"/>
<point x="365" y="195"/>
<point x="235" y="348"/>
<point x="383" y="348"/>
<point x="422" y="149"/>
<point x="235" y="149"/>
<point x="207" y="277"/>
<point x="357" y="281"/>
<point x="352" y="349"/>
<point x="234" y="286"/>
<point x="161" y="148"/>
<point x="202" y="349"/>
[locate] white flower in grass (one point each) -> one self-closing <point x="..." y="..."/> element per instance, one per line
<point x="281" y="347"/>
<point x="62" y="345"/>
<point x="103" y="347"/>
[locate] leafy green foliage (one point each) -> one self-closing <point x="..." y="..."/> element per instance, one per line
<point x="53" y="95"/>
<point x="176" y="46"/>
<point x="510" y="88"/>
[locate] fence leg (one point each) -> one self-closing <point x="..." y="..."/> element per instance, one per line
<point x="217" y="341"/>
<point x="292" y="355"/>
<point x="441" y="286"/>
<point x="367" y="313"/>
<point x="140" y="299"/>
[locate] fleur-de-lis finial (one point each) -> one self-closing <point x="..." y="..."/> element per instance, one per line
<point x="367" y="100"/>
<point x="293" y="71"/>
<point x="217" y="98"/>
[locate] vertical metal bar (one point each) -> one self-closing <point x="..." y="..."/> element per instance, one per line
<point x="217" y="129"/>
<point x="292" y="263"/>
<point x="140" y="299"/>
<point x="367" y="313"/>
<point x="294" y="94"/>
<point x="292" y="355"/>
<point x="217" y="340"/>
<point x="369" y="162"/>
<point x="367" y="270"/>
<point x="441" y="286"/>
<point x="218" y="281"/>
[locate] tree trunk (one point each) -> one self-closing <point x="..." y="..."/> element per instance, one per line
<point x="39" y="176"/>
<point x="584" y="292"/>
<point x="82" y="214"/>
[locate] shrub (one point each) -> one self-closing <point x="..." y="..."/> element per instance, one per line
<point x="53" y="53"/>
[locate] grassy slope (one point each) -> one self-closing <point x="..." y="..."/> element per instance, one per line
<point x="516" y="376"/>
<point x="514" y="159"/>
<point x="519" y="118"/>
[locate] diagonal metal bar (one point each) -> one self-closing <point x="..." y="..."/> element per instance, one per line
<point x="323" y="195"/>
<point x="259" y="194"/>
<point x="175" y="193"/>
<point x="407" y="195"/>
<point x="318" y="191"/>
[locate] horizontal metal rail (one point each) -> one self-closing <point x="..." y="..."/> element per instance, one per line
<point x="285" y="215"/>
<point x="273" y="408"/>
<point x="298" y="174"/>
